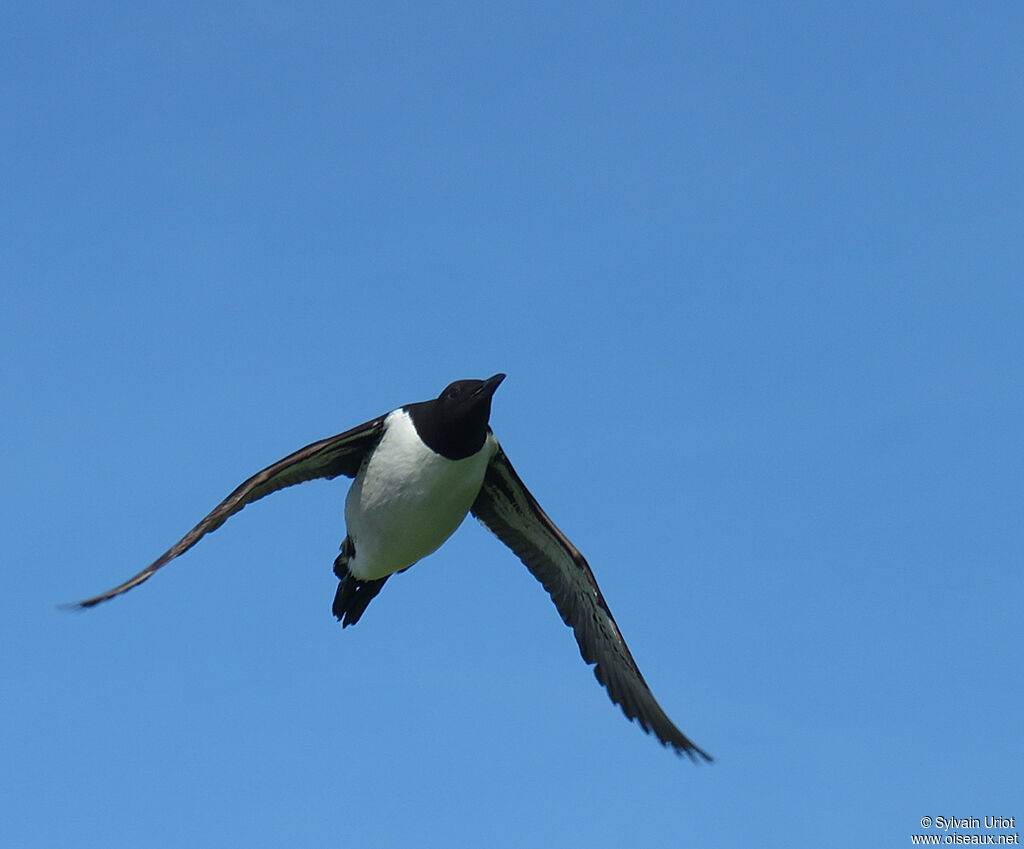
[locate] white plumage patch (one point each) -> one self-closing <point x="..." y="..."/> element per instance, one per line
<point x="407" y="500"/>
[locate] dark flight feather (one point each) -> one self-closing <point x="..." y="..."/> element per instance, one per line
<point x="506" y="507"/>
<point x="337" y="455"/>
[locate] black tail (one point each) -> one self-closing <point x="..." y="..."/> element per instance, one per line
<point x="353" y="595"/>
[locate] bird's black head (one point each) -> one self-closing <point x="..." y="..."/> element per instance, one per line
<point x="455" y="423"/>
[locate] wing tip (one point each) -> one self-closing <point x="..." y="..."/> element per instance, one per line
<point x="678" y="742"/>
<point x="70" y="606"/>
<point x="693" y="752"/>
<point x="79" y="606"/>
<point x="131" y="583"/>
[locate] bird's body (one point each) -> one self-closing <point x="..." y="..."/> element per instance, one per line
<point x="407" y="500"/>
<point x="419" y="470"/>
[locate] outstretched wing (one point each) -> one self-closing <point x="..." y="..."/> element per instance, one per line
<point x="328" y="458"/>
<point x="506" y="507"/>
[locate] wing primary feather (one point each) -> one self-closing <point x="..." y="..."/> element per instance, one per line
<point x="327" y="458"/>
<point x="506" y="507"/>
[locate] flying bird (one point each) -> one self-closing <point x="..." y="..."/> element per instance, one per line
<point x="418" y="471"/>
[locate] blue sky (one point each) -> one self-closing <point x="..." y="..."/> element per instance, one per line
<point x="754" y="272"/>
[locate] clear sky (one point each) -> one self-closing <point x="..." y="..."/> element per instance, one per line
<point x="754" y="271"/>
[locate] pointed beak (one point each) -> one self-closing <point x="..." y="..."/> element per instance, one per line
<point x="488" y="386"/>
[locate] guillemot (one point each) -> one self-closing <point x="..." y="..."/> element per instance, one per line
<point x="419" y="470"/>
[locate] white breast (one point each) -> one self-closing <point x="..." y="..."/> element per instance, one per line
<point x="407" y="500"/>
